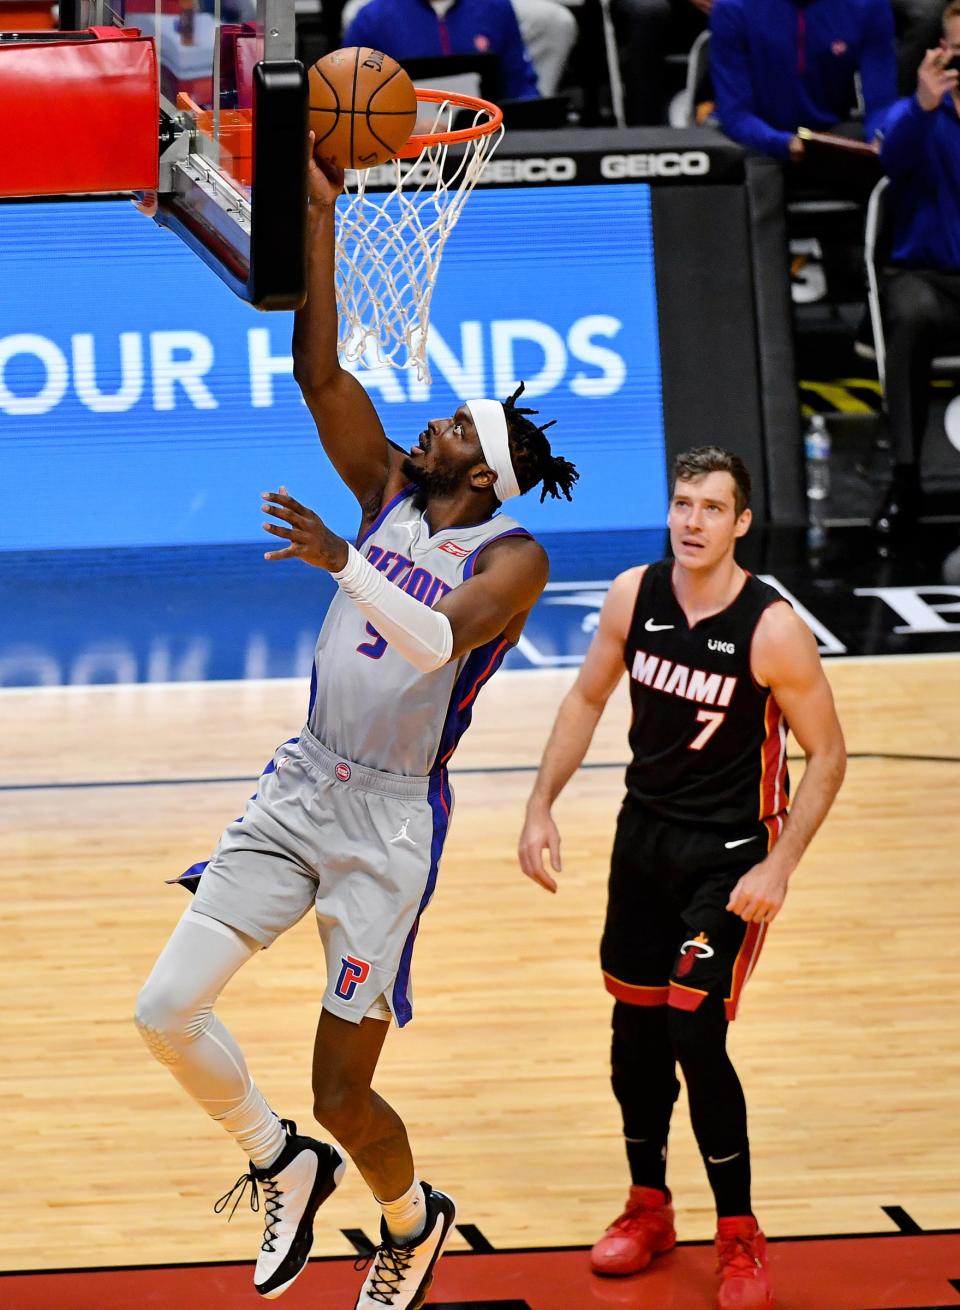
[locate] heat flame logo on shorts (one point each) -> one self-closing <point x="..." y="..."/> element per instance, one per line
<point x="691" y="951"/>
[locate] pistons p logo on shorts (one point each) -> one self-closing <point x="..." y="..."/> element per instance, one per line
<point x="353" y="972"/>
<point x="343" y="771"/>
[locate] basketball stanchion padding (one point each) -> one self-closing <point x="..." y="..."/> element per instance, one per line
<point x="79" y="113"/>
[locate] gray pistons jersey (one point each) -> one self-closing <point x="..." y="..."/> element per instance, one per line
<point x="369" y="704"/>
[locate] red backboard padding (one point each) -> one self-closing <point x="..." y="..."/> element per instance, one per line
<point x="79" y="115"/>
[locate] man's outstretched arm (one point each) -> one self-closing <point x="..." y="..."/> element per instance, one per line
<point x="494" y="602"/>
<point x="575" y="724"/>
<point x="349" y="427"/>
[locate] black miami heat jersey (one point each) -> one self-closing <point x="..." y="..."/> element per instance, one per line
<point x="709" y="743"/>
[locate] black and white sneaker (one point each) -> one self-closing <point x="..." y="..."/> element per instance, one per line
<point x="401" y="1275"/>
<point x="294" y="1187"/>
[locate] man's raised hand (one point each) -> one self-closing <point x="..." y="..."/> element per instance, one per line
<point x="308" y="536"/>
<point x="324" y="180"/>
<point x="935" y="79"/>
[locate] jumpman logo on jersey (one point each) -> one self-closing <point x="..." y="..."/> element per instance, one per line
<point x="402" y="835"/>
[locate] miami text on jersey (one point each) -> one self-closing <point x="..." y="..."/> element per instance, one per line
<point x="678" y="680"/>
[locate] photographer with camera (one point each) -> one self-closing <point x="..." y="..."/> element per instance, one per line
<point x="920" y="151"/>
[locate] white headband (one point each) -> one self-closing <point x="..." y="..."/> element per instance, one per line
<point x="491" y="423"/>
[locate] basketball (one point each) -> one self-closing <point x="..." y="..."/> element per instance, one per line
<point x="363" y="107"/>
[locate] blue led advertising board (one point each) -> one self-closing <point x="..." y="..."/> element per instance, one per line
<point x="142" y="404"/>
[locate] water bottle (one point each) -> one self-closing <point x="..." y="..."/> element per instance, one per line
<point x="817" y="451"/>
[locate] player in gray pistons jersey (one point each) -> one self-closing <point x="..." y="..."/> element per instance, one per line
<point x="368" y="701"/>
<point x="349" y="817"/>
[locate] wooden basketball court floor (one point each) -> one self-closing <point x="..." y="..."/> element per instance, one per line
<point x="847" y="1041"/>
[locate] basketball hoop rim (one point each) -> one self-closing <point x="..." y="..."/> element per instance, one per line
<point x="418" y="143"/>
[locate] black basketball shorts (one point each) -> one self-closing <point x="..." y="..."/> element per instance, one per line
<point x="669" y="938"/>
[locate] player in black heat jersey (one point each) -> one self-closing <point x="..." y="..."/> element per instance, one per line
<point x="719" y="664"/>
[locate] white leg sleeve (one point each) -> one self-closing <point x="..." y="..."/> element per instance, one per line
<point x="176" y="1020"/>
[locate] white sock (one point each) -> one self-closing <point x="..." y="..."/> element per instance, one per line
<point x="255" y="1128"/>
<point x="406" y="1216"/>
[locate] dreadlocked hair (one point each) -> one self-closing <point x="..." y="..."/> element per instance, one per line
<point x="533" y="460"/>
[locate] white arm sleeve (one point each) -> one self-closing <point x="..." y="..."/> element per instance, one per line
<point x="420" y="634"/>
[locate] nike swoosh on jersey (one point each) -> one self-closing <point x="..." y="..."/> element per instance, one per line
<point x="741" y="841"/>
<point x="657" y="627"/>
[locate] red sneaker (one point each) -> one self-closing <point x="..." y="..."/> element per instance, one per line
<point x="645" y="1229"/>
<point x="742" y="1265"/>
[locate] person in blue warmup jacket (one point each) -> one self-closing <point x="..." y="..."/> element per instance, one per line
<point x="420" y="29"/>
<point x="920" y="151"/>
<point x="782" y="64"/>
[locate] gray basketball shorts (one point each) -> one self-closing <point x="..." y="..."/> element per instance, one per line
<point x="359" y="846"/>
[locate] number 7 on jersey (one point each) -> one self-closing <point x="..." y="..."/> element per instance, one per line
<point x="711" y="719"/>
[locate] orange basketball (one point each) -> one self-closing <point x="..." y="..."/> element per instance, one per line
<point x="362" y="107"/>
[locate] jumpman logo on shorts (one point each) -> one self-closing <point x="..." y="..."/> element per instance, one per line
<point x="402" y="835"/>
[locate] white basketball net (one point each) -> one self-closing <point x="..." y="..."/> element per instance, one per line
<point x="390" y="242"/>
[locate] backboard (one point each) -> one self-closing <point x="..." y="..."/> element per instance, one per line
<point x="233" y="131"/>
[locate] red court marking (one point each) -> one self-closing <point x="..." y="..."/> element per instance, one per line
<point x="896" y="1272"/>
